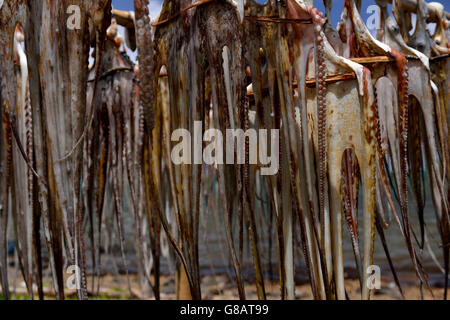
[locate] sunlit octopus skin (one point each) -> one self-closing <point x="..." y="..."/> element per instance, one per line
<point x="417" y="69"/>
<point x="350" y="166"/>
<point x="441" y="34"/>
<point x="359" y="43"/>
<point x="421" y="39"/>
<point x="421" y="88"/>
<point x="262" y="51"/>
<point x="241" y="14"/>
<point x="441" y="72"/>
<point x="304" y="134"/>
<point x="440" y="75"/>
<point x="120" y="127"/>
<point x="361" y="138"/>
<point x="431" y="46"/>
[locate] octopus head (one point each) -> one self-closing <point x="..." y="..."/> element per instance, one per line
<point x="112" y="30"/>
<point x="393" y="27"/>
<point x="438" y="8"/>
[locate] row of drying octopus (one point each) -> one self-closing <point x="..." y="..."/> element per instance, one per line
<point x="229" y="65"/>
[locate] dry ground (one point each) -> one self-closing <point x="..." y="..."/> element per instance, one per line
<point x="219" y="287"/>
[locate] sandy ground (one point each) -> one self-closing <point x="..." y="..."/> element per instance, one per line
<point x="218" y="287"/>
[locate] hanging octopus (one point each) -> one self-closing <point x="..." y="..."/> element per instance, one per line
<point x="60" y="54"/>
<point x="359" y="43"/>
<point x="22" y="180"/>
<point x="348" y="108"/>
<point x="423" y="96"/>
<point x="296" y="49"/>
<point x="197" y="66"/>
<point x="10" y="15"/>
<point x="112" y="146"/>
